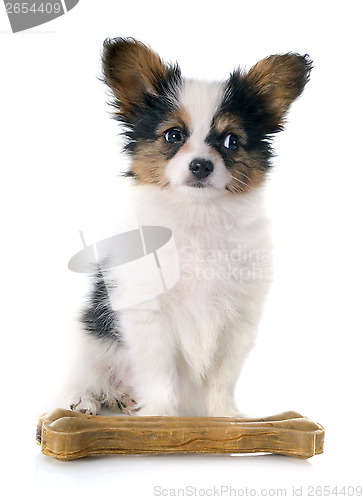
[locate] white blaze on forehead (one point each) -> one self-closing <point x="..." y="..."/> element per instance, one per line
<point x="201" y="100"/>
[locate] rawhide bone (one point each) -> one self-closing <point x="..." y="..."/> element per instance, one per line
<point x="67" y="435"/>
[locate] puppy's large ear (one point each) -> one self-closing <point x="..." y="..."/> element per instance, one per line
<point x="132" y="70"/>
<point x="277" y="81"/>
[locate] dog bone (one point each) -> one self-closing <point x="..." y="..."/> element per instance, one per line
<point x="67" y="435"/>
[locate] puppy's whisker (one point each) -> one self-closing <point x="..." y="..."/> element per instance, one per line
<point x="239" y="181"/>
<point x="242" y="182"/>
<point x="247" y="177"/>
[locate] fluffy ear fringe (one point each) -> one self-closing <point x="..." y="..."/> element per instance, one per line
<point x="278" y="80"/>
<point x="132" y="70"/>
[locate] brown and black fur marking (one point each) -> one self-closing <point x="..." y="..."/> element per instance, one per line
<point x="258" y="101"/>
<point x="142" y="86"/>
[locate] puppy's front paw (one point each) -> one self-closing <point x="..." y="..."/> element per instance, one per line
<point x="86" y="404"/>
<point x="127" y="404"/>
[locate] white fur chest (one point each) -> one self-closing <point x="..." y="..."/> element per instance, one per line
<point x="224" y="259"/>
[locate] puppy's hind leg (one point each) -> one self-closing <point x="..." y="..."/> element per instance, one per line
<point x="81" y="394"/>
<point x="97" y="378"/>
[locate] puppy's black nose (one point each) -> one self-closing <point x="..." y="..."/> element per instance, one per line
<point x="201" y="168"/>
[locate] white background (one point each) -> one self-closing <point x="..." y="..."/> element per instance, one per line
<point x="60" y="153"/>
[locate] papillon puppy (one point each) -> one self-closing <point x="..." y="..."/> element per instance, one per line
<point x="199" y="156"/>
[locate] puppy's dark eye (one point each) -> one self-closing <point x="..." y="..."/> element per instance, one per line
<point x="173" y="136"/>
<point x="231" y="142"/>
